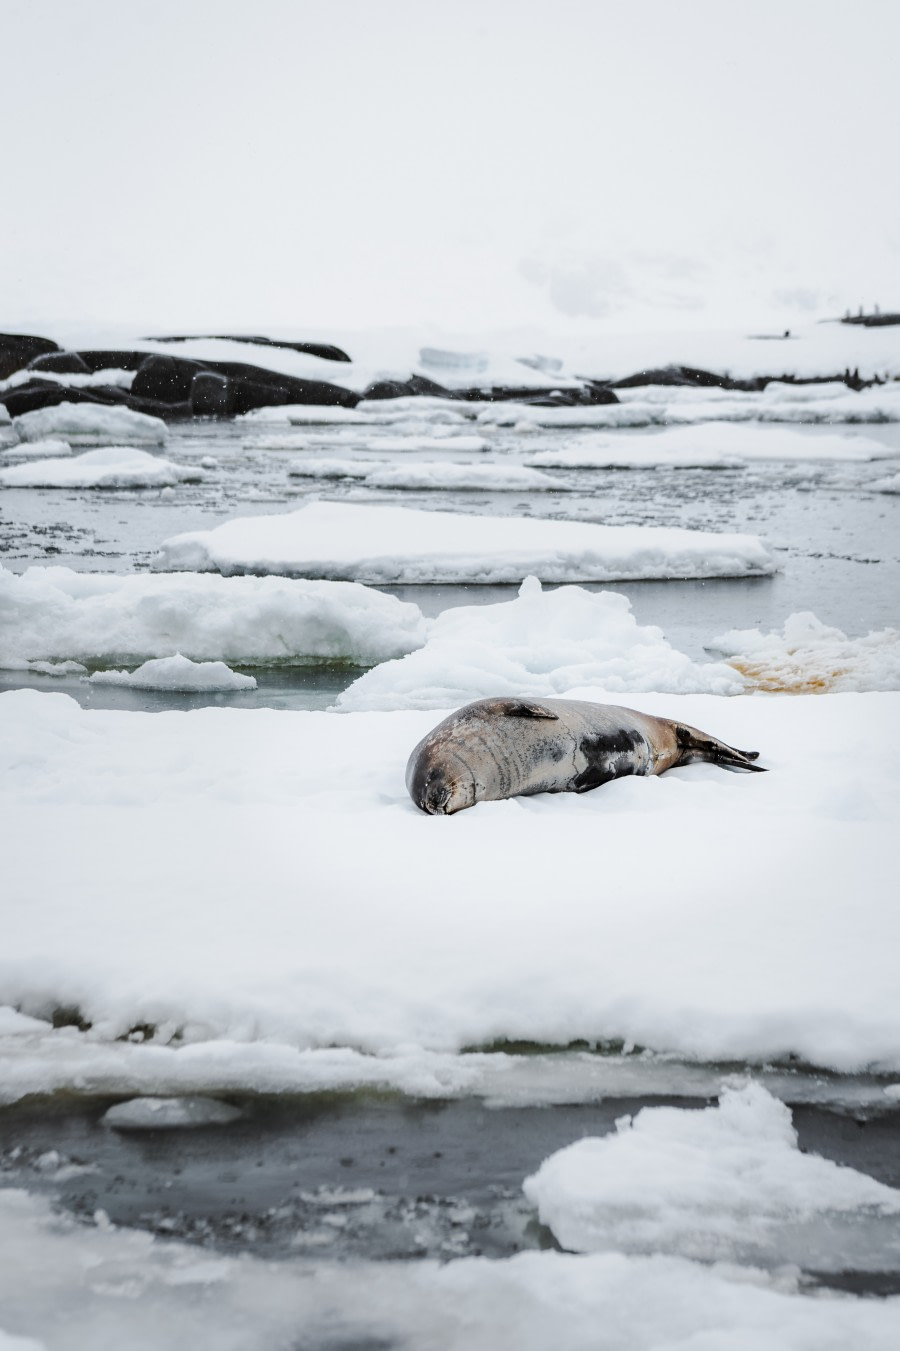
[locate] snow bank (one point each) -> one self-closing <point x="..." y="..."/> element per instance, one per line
<point x="37" y="450"/>
<point x="92" y="424"/>
<point x="540" y="644"/>
<point x="429" y="474"/>
<point x="68" y="1284"/>
<point x="111" y="467"/>
<point x="393" y="545"/>
<point x="714" y="445"/>
<point x="178" y="674"/>
<point x="716" y="916"/>
<point x="809" y="656"/>
<point x="56" y="613"/>
<point x="727" y="1183"/>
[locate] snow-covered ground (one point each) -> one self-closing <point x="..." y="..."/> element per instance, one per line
<point x="702" y="913"/>
<point x="394" y="544"/>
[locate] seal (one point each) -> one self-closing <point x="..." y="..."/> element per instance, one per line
<point x="498" y="748"/>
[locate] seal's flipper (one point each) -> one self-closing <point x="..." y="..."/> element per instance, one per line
<point x="700" y="746"/>
<point x="528" y="708"/>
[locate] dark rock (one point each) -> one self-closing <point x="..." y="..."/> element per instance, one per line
<point x="403" y="389"/>
<point x="326" y="350"/>
<point x="686" y="375"/>
<point x="872" y="320"/>
<point x="212" y="395"/>
<point x="165" y="379"/>
<point x="47" y="394"/>
<point x="171" y="380"/>
<point x="17" y="349"/>
<point x="61" y="363"/>
<point x="171" y="412"/>
<point x="113" y="361"/>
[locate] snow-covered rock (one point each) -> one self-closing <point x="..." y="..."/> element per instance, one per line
<point x="387" y="545"/>
<point x="58" y="614"/>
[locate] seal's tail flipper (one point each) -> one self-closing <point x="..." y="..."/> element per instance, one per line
<point x="700" y="746"/>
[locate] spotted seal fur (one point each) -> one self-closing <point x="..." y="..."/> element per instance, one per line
<point x="498" y="748"/>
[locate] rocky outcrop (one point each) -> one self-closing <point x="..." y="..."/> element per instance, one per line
<point x="17" y="349"/>
<point x="237" y="388"/>
<point x="689" y="375"/>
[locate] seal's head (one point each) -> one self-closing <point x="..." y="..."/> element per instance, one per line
<point x="438" y="782"/>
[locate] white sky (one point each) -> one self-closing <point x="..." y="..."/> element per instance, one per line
<point x="320" y="164"/>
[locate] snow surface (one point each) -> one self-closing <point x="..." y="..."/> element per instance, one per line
<point x="122" y="1287"/>
<point x="113" y="375"/>
<point x="397" y="545"/>
<point x="726" y="1183"/>
<point x="540" y="644"/>
<point x="110" y="467"/>
<point x="429" y="474"/>
<point x="178" y="674"/>
<point x="714" y="445"/>
<point x="285" y="890"/>
<point x="58" y="614"/>
<point x="808" y="656"/>
<point x="37" y="450"/>
<point x="92" y="424"/>
<point x="153" y="1114"/>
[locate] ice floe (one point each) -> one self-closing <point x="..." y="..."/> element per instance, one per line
<point x="809" y="656"/>
<point x="711" y="915"/>
<point x="542" y="643"/>
<point x="153" y="1114"/>
<point x="728" y="1183"/>
<point x="66" y="1284"/>
<point x="51" y="446"/>
<point x="887" y="485"/>
<point x="109" y="467"/>
<point x="429" y="474"/>
<point x="58" y="614"/>
<point x="714" y="445"/>
<point x="92" y="424"/>
<point x="386" y="545"/>
<point x="178" y="674"/>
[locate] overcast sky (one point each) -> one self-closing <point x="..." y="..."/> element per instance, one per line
<point x="356" y="163"/>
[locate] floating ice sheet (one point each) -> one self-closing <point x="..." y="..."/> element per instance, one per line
<point x="57" y="613"/>
<point x="394" y="544"/>
<point x="92" y="424"/>
<point x="110" y="467"/>
<point x="178" y="674"/>
<point x="727" y="1183"/>
<point x="430" y="474"/>
<point x="714" y="445"/>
